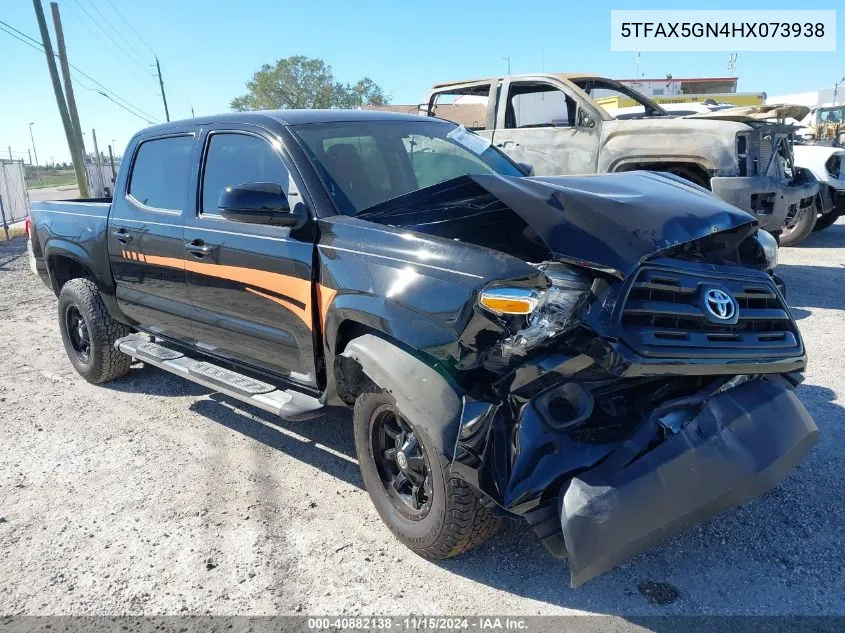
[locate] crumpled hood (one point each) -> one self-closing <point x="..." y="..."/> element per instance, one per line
<point x="610" y="222"/>
<point x="756" y="113"/>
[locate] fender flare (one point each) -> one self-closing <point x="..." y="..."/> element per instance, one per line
<point x="426" y="397"/>
<point x="58" y="247"/>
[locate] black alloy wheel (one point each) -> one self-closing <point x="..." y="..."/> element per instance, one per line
<point x="78" y="333"/>
<point x="402" y="463"/>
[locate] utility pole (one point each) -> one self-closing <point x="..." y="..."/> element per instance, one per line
<point x="71" y="100"/>
<point x="111" y="162"/>
<point x="836" y="89"/>
<point x="97" y="159"/>
<point x="32" y="138"/>
<point x="508" y="60"/>
<point x="161" y="83"/>
<point x="10" y="152"/>
<point x="78" y="167"/>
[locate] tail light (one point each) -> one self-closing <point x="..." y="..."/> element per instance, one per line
<point x="26" y="224"/>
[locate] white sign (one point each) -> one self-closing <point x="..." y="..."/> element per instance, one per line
<point x="474" y="143"/>
<point x="730" y="31"/>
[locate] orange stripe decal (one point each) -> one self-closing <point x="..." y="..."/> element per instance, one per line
<point x="294" y="287"/>
<point x="325" y="296"/>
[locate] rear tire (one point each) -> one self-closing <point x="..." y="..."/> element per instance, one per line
<point x="799" y="230"/>
<point x="444" y="517"/>
<point x="89" y="332"/>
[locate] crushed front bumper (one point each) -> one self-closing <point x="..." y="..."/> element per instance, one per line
<point x="767" y="199"/>
<point x="741" y="443"/>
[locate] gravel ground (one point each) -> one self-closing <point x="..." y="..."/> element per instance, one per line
<point x="152" y="495"/>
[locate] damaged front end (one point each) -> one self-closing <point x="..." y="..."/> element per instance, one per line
<point x="641" y="381"/>
<point x="768" y="185"/>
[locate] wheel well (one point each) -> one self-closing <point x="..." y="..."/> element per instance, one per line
<point x="693" y="172"/>
<point x="350" y="379"/>
<point x="63" y="269"/>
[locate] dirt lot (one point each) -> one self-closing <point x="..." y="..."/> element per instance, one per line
<point x="152" y="495"/>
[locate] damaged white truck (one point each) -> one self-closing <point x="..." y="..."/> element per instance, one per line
<point x="570" y="124"/>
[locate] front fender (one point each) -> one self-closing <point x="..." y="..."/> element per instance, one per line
<point x="709" y="144"/>
<point x="431" y="403"/>
<point x="407" y="326"/>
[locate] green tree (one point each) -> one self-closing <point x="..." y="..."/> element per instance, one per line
<point x="302" y="82"/>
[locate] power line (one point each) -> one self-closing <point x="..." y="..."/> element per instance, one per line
<point x="20" y="35"/>
<point x="38" y="48"/>
<point x="104" y="43"/>
<point x="131" y="28"/>
<point x="108" y="35"/>
<point x="106" y="20"/>
<point x="122" y="106"/>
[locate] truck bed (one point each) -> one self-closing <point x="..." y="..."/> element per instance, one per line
<point x="72" y="229"/>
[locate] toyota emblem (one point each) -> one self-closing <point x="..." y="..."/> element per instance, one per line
<point x="720" y="305"/>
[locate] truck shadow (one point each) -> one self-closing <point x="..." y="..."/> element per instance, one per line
<point x="11" y="251"/>
<point x="831" y="237"/>
<point x="813" y="287"/>
<point x="325" y="443"/>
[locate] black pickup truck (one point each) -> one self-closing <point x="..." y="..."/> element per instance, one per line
<point x="607" y="357"/>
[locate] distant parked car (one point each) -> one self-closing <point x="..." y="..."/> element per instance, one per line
<point x="563" y="124"/>
<point x="828" y="166"/>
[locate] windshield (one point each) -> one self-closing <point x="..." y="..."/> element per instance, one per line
<point x="618" y="100"/>
<point x="364" y="163"/>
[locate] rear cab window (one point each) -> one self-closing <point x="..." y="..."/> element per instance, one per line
<point x="160" y="171"/>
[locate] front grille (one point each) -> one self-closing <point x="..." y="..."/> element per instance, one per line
<point x="664" y="315"/>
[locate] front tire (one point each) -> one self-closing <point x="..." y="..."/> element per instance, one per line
<point x="89" y="332"/>
<point x="799" y="228"/>
<point x="431" y="511"/>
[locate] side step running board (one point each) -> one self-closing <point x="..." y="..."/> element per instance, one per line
<point x="287" y="403"/>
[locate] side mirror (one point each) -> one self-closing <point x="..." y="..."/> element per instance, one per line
<point x="527" y="168"/>
<point x="586" y="120"/>
<point x="257" y="203"/>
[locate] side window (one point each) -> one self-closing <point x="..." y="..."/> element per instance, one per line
<point x="237" y="159"/>
<point x="160" y="172"/>
<point x="539" y="105"/>
<point x="464" y="106"/>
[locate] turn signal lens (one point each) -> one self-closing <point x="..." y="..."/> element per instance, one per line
<point x="509" y="300"/>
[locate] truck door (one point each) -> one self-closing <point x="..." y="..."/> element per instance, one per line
<point x="250" y="284"/>
<point x="145" y="240"/>
<point x="541" y="123"/>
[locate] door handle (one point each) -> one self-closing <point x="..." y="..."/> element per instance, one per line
<point x="198" y="249"/>
<point x="122" y="236"/>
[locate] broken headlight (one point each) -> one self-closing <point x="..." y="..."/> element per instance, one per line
<point x="510" y="300"/>
<point x="554" y="310"/>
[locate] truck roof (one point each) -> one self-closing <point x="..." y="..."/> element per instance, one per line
<point x="286" y="117"/>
